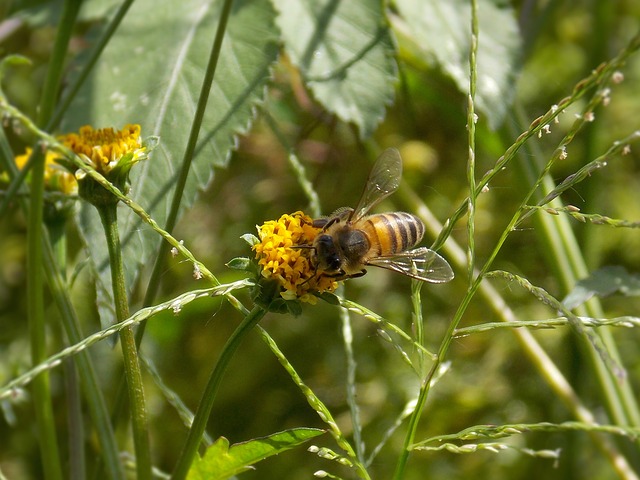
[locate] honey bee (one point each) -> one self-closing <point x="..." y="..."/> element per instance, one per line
<point x="350" y="239"/>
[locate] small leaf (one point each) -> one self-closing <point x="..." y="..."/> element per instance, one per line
<point x="603" y="282"/>
<point x="12" y="61"/>
<point x="222" y="461"/>
<point x="250" y="238"/>
<point x="329" y="297"/>
<point x="240" y="263"/>
<point x="294" y="308"/>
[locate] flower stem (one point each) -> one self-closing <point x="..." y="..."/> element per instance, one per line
<point x="59" y="291"/>
<point x="204" y="409"/>
<point x="35" y="284"/>
<point x="108" y="215"/>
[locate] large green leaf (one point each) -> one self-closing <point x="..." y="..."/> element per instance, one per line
<point x="345" y="53"/>
<point x="442" y="30"/>
<point x="222" y="461"/>
<point x="151" y="74"/>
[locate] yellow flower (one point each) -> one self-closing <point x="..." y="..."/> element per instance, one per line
<point x="111" y="153"/>
<point x="104" y="149"/>
<point x="284" y="255"/>
<point x="56" y="178"/>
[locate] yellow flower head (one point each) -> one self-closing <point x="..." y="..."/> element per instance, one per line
<point x="104" y="149"/>
<point x="281" y="257"/>
<point x="111" y="153"/>
<point x="56" y="178"/>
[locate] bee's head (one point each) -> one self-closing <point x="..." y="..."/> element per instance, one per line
<point x="326" y="255"/>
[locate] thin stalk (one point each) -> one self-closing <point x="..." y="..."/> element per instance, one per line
<point x="88" y="65"/>
<point x="351" y="460"/>
<point x="418" y="321"/>
<point x="77" y="467"/>
<point x="595" y="79"/>
<point x="35" y="284"/>
<point x="206" y="403"/>
<point x="108" y="215"/>
<point x="563" y="247"/>
<point x="35" y="279"/>
<point x="17" y="180"/>
<point x="473" y="282"/>
<point x="541" y="361"/>
<point x="56" y="62"/>
<point x="93" y="394"/>
<point x="471" y="130"/>
<point x="185" y="168"/>
<point x="352" y="394"/>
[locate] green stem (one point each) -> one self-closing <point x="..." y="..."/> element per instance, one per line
<point x="204" y="409"/>
<point x="72" y="91"/>
<point x="192" y="142"/>
<point x="569" y="266"/>
<point x="95" y="400"/>
<point x="159" y="266"/>
<point x="473" y="283"/>
<point x="108" y="215"/>
<point x="56" y="62"/>
<point x="35" y="280"/>
<point x="35" y="284"/>
<point x="77" y="467"/>
<point x="471" y="130"/>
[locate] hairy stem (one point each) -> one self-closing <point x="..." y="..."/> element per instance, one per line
<point x="108" y="215"/>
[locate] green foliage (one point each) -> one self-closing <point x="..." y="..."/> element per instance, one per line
<point x="222" y="461"/>
<point x="440" y="30"/>
<point x="602" y="283"/>
<point x="263" y="108"/>
<point x="345" y="54"/>
<point x="151" y="74"/>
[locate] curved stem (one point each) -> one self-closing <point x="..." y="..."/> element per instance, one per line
<point x="108" y="215"/>
<point x="204" y="409"/>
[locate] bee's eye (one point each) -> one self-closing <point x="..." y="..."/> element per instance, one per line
<point x="326" y="251"/>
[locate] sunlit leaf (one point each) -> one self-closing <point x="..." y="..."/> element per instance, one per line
<point x="603" y="282"/>
<point x="344" y="51"/>
<point x="222" y="461"/>
<point x="151" y="73"/>
<point x="442" y="30"/>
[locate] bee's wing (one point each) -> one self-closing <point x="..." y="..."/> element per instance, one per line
<point x="383" y="180"/>
<point x="421" y="263"/>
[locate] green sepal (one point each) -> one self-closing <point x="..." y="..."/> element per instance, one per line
<point x="250" y="238"/>
<point x="328" y="297"/>
<point x="241" y="263"/>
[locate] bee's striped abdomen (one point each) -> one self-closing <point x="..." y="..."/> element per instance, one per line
<point x="391" y="233"/>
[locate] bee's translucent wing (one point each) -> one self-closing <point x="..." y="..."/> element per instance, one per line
<point x="421" y="263"/>
<point x="383" y="180"/>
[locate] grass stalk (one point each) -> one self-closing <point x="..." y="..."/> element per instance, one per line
<point x="59" y="291"/>
<point x="201" y="418"/>
<point x="108" y="215"/>
<point x="187" y="159"/>
<point x="42" y="401"/>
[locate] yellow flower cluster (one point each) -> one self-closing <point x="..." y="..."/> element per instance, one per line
<point x="284" y="254"/>
<point x="104" y="148"/>
<point x="56" y="177"/>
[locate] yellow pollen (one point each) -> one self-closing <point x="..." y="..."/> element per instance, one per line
<point x="105" y="147"/>
<point x="284" y="254"/>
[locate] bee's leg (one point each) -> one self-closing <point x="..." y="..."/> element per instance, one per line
<point x="325" y="223"/>
<point x="356" y="275"/>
